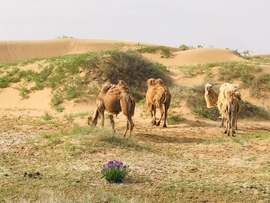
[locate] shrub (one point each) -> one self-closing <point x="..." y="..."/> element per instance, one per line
<point x="47" y="117"/>
<point x="59" y="108"/>
<point x="115" y="171"/>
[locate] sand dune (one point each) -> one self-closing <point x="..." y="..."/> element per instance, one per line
<point x="27" y="49"/>
<point x="206" y="55"/>
<point x="197" y="56"/>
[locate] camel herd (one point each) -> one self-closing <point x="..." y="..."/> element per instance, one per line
<point x="117" y="98"/>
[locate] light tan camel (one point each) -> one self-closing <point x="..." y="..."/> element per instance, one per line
<point x="114" y="99"/>
<point x="230" y="110"/>
<point x="213" y="99"/>
<point x="157" y="96"/>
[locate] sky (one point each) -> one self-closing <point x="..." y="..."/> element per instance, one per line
<point x="241" y="25"/>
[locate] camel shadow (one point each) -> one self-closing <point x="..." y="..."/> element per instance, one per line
<point x="169" y="139"/>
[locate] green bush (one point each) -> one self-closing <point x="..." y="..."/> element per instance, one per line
<point x="165" y="51"/>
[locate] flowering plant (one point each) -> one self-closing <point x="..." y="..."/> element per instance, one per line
<point x="115" y="171"/>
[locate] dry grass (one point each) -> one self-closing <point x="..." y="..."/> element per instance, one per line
<point x="64" y="165"/>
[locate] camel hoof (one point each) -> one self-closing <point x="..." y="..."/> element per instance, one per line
<point x="164" y="126"/>
<point x="225" y="132"/>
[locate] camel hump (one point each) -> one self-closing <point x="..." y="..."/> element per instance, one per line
<point x="105" y="87"/>
<point x="161" y="96"/>
<point x="121" y="87"/>
<point x="159" y="82"/>
<point x="151" y="82"/>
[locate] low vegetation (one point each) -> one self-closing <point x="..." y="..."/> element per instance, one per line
<point x="165" y="51"/>
<point x="75" y="76"/>
<point x="249" y="75"/>
<point x="196" y="102"/>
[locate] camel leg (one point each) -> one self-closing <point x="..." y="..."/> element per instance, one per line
<point x="236" y="118"/>
<point x="127" y="127"/>
<point x="229" y="128"/>
<point x="153" y="115"/>
<point x="226" y="129"/>
<point x="131" y="126"/>
<point x="165" y="116"/>
<point x="161" y="115"/>
<point x="233" y="125"/>
<point x="222" y="122"/>
<point x="101" y="110"/>
<point x="112" y="122"/>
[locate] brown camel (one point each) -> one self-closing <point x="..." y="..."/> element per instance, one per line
<point x="157" y="96"/>
<point x="213" y="99"/>
<point x="114" y="99"/>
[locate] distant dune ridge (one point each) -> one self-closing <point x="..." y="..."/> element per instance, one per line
<point x="27" y="49"/>
<point x="207" y="55"/>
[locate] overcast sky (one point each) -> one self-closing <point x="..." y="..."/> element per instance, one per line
<point x="233" y="24"/>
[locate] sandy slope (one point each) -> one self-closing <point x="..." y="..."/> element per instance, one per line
<point x="197" y="56"/>
<point x="17" y="50"/>
<point x="27" y="49"/>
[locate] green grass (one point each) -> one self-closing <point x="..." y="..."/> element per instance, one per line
<point x="196" y="102"/>
<point x="165" y="51"/>
<point x="47" y="116"/>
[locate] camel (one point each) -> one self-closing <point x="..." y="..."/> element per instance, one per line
<point x="213" y="99"/>
<point x="114" y="99"/>
<point x="230" y="109"/>
<point x="157" y="96"/>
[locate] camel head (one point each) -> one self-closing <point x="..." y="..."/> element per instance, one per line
<point x="91" y="121"/>
<point x="237" y="95"/>
<point x="208" y="87"/>
<point x="151" y="82"/>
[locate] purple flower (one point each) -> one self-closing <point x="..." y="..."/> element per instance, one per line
<point x="115" y="171"/>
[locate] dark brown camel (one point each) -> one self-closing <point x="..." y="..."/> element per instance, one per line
<point x="114" y="99"/>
